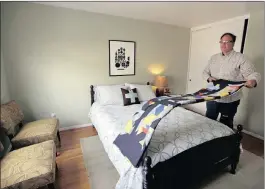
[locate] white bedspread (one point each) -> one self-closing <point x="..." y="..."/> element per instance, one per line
<point x="179" y="130"/>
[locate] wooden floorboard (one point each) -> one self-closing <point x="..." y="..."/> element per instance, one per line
<point x="254" y="145"/>
<point x="72" y="173"/>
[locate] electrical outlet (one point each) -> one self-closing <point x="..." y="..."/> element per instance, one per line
<point x="44" y="115"/>
<point x="53" y="115"/>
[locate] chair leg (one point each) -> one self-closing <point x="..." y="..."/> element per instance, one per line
<point x="56" y="170"/>
<point x="59" y="140"/>
<point x="56" y="167"/>
<point x="58" y="135"/>
<point x="51" y="186"/>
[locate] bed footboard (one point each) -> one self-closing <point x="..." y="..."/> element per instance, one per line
<point x="147" y="171"/>
<point x="235" y="157"/>
<point x="149" y="174"/>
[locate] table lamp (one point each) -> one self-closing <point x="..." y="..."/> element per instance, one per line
<point x="161" y="83"/>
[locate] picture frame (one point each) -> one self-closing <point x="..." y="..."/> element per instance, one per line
<point x="121" y="58"/>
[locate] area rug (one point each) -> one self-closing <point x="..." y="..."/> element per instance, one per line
<point x="103" y="175"/>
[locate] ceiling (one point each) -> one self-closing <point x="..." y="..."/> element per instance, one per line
<point x="184" y="14"/>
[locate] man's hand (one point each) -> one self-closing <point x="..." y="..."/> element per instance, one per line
<point x="211" y="79"/>
<point x="250" y="83"/>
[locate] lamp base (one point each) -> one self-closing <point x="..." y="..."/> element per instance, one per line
<point x="160" y="91"/>
<point x="163" y="91"/>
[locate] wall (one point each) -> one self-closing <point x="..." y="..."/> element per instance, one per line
<point x="54" y="54"/>
<point x="254" y="49"/>
<point x="5" y="96"/>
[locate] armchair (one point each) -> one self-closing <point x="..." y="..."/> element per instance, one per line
<point x="32" y="166"/>
<point x="21" y="134"/>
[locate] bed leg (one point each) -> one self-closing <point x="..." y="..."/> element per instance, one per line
<point x="236" y="155"/>
<point x="148" y="180"/>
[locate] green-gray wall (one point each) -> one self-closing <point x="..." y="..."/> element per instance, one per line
<point x="52" y="55"/>
<point x="254" y="49"/>
<point x="5" y="96"/>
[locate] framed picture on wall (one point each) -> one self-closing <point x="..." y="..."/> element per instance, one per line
<point x="121" y="58"/>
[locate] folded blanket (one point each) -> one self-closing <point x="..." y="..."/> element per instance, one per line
<point x="139" y="130"/>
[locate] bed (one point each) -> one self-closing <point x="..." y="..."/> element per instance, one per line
<point x="185" y="149"/>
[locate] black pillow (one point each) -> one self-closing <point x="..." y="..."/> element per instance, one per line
<point x="130" y="96"/>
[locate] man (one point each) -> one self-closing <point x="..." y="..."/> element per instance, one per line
<point x="233" y="66"/>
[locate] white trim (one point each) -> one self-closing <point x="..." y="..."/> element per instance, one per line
<point x="253" y="134"/>
<point x="75" y="127"/>
<point x="188" y="70"/>
<point x="219" y="22"/>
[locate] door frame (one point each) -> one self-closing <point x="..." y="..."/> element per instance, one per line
<point x="206" y="26"/>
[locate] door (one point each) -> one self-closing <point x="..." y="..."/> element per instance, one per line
<point x="205" y="43"/>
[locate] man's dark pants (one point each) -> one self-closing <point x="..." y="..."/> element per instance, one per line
<point x="227" y="110"/>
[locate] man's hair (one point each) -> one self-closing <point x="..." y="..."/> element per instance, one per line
<point x="231" y="35"/>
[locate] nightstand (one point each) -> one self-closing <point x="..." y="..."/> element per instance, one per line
<point x="158" y="93"/>
<point x="167" y="94"/>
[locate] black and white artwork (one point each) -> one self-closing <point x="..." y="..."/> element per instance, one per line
<point x="121" y="58"/>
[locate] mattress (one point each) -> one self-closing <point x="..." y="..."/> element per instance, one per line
<point x="179" y="130"/>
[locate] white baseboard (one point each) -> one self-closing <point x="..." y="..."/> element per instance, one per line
<point x="253" y="134"/>
<point x="75" y="127"/>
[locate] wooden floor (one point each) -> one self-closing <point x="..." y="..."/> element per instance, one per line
<point x="254" y="145"/>
<point x="72" y="172"/>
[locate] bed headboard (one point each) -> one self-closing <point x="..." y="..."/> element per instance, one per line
<point x="92" y="93"/>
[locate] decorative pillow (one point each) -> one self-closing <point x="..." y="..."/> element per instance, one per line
<point x="130" y="96"/>
<point x="145" y="92"/>
<point x="154" y="88"/>
<point x="109" y="94"/>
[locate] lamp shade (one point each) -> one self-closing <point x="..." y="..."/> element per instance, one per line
<point x="161" y="81"/>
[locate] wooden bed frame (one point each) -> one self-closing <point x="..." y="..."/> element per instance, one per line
<point x="191" y="167"/>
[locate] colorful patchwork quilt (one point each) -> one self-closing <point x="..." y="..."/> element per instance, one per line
<point x="138" y="132"/>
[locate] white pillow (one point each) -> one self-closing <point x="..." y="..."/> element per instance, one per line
<point x="145" y="92"/>
<point x="109" y="94"/>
